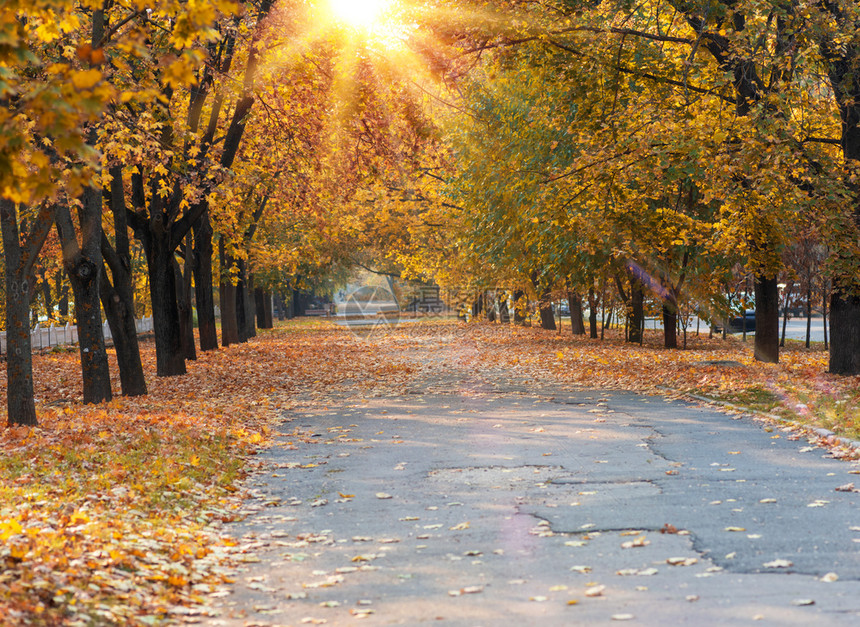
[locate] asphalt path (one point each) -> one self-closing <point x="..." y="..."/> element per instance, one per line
<point x="474" y="499"/>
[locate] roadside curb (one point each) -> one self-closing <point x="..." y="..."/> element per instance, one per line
<point x="819" y="431"/>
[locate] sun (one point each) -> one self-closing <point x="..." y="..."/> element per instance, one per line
<point x="361" y="14"/>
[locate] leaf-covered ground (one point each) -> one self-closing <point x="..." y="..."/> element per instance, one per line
<point x="117" y="513"/>
<point x="114" y="513"/>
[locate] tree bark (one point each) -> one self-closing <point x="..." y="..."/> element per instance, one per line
<point x="519" y="307"/>
<point x="169" y="356"/>
<point x="229" y="319"/>
<point x="293" y="305"/>
<point x="592" y="313"/>
<point x="824" y="314"/>
<point x="670" y="325"/>
<point x="182" y="277"/>
<point x="280" y="307"/>
<point x="117" y="296"/>
<point x="263" y="303"/>
<point x="842" y="59"/>
<point x="18" y="262"/>
<point x="844" y="332"/>
<point x="766" y="319"/>
<point x="489" y="306"/>
<point x="636" y="309"/>
<point x="785" y="312"/>
<point x="203" y="284"/>
<point x="577" y="324"/>
<point x="62" y="296"/>
<point x="83" y="263"/>
<point x="547" y="318"/>
<point x="268" y="317"/>
<point x="245" y="304"/>
<point x="504" y="313"/>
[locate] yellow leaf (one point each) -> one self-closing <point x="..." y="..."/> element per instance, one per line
<point x="86" y="79"/>
<point x="79" y="518"/>
<point x="9" y="528"/>
<point x="18" y="551"/>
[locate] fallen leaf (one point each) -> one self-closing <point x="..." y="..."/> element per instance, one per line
<point x="778" y="563"/>
<point x="682" y="561"/>
<point x="638" y="542"/>
<point x="595" y="591"/>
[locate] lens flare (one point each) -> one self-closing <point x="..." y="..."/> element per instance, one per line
<point x="363" y="14"/>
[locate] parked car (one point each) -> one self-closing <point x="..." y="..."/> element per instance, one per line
<point x="739" y="323"/>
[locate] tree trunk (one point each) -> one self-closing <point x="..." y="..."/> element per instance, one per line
<point x="48" y="297"/>
<point x="547" y="318"/>
<point x="842" y="60"/>
<point x="519" y="307"/>
<point x="637" y="310"/>
<point x="824" y="314"/>
<point x="489" y="306"/>
<point x="577" y="324"/>
<point x="245" y="304"/>
<point x="83" y="264"/>
<point x="785" y="312"/>
<point x="117" y="296"/>
<point x="592" y="313"/>
<point x="808" y="312"/>
<point x="20" y="404"/>
<point x="766" y="319"/>
<point x="229" y="317"/>
<point x="124" y="332"/>
<point x="169" y="356"/>
<point x="292" y="309"/>
<point x="183" y="304"/>
<point x="670" y="325"/>
<point x="203" y="284"/>
<point x="62" y="296"/>
<point x="844" y="332"/>
<point x="250" y="318"/>
<point x="241" y="325"/>
<point x="280" y="307"/>
<point x="268" y="318"/>
<point x="504" y="314"/>
<point x="260" y="307"/>
<point x="263" y="303"/>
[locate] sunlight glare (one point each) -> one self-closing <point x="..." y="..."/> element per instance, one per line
<point x="363" y="14"/>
